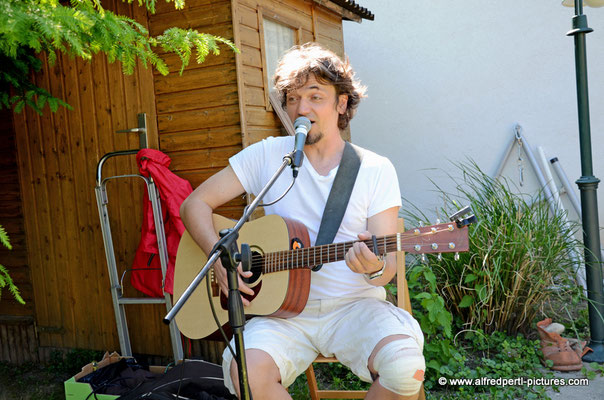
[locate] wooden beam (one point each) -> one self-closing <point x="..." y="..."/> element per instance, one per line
<point x="340" y="10"/>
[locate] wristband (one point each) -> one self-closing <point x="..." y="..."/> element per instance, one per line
<point x="380" y="272"/>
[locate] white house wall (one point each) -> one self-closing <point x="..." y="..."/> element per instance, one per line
<point x="450" y="80"/>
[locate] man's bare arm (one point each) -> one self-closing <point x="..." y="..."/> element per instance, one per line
<point x="196" y="213"/>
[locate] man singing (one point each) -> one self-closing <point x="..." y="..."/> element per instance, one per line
<point x="346" y="314"/>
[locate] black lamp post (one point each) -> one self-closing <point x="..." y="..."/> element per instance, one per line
<point x="588" y="184"/>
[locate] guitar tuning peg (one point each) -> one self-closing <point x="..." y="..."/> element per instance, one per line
<point x="437" y="221"/>
<point x="456" y="257"/>
<point x="424" y="258"/>
<point x="439" y="256"/>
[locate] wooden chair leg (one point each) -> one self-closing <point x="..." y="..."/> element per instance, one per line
<point x="312" y="383"/>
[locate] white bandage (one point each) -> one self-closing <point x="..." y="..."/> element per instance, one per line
<point x="400" y="365"/>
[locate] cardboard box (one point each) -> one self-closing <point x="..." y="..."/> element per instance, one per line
<point x="80" y="391"/>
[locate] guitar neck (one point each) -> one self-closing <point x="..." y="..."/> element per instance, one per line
<point x="441" y="238"/>
<point x="317" y="255"/>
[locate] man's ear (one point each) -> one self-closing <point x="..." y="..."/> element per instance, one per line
<point x="342" y="103"/>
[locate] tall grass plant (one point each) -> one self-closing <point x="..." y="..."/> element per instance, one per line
<point x="521" y="254"/>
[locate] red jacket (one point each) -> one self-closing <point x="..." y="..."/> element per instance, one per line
<point x="172" y="190"/>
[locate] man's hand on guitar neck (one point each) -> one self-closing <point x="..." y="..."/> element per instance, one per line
<point x="221" y="278"/>
<point x="363" y="261"/>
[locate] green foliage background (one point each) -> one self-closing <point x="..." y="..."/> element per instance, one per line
<point x="478" y="312"/>
<point x="82" y="28"/>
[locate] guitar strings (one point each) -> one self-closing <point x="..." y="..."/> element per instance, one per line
<point x="388" y="243"/>
<point x="289" y="259"/>
<point x="390" y="240"/>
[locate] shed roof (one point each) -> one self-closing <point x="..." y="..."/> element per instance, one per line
<point x="351" y="5"/>
<point x="348" y="9"/>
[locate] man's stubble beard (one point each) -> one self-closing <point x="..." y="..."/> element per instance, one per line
<point x="310" y="140"/>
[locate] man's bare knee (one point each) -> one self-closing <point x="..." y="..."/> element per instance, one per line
<point x="262" y="370"/>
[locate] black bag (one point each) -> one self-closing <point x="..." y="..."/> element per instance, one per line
<point x="193" y="379"/>
<point x="117" y="378"/>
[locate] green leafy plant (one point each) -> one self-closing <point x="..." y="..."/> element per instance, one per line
<point x="521" y="254"/>
<point x="494" y="356"/>
<point x="70" y="362"/>
<point x="5" y="279"/>
<point x="82" y="29"/>
<point x="435" y="321"/>
<point x="33" y="380"/>
<point x="594" y="370"/>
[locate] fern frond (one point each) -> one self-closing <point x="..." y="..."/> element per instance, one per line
<point x="82" y="29"/>
<point x="181" y="42"/>
<point x="6" y="281"/>
<point x="4" y="238"/>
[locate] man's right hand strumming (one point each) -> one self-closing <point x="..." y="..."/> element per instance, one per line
<point x="221" y="277"/>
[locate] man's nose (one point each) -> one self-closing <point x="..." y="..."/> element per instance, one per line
<point x="303" y="107"/>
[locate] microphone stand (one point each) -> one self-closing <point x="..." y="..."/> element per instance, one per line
<point x="226" y="249"/>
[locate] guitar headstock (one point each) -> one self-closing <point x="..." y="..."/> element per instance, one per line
<point x="440" y="238"/>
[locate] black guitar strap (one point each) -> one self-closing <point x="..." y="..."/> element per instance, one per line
<point x="337" y="201"/>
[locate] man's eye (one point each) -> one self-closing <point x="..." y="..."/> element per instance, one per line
<point x="291" y="99"/>
<point x="316" y="98"/>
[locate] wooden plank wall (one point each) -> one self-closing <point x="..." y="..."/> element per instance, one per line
<point x="18" y="342"/>
<point x="199" y="118"/>
<point x="57" y="155"/>
<point x="11" y="218"/>
<point x="198" y="111"/>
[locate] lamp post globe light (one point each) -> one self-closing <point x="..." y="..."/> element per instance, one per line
<point x="588" y="185"/>
<point x="590" y="3"/>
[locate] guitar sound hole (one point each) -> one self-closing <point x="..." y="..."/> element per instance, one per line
<point x="256" y="271"/>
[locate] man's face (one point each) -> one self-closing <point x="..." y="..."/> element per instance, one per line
<point x="317" y="102"/>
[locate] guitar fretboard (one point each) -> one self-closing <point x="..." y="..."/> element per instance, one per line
<point x="317" y="255"/>
<point x="441" y="238"/>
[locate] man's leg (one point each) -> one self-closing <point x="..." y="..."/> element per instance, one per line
<point x="378" y="342"/>
<point x="263" y="376"/>
<point x="399" y="368"/>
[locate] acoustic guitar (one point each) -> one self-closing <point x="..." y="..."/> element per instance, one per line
<point x="281" y="265"/>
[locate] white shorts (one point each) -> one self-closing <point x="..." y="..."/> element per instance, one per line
<point x="347" y="328"/>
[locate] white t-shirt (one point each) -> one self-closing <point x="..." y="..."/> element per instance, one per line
<point x="376" y="189"/>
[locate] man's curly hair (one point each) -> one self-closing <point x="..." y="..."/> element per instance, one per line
<point x="299" y="62"/>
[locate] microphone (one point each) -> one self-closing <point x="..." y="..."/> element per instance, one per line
<point x="302" y="126"/>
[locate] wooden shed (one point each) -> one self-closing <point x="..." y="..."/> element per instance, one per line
<point x="199" y="118"/>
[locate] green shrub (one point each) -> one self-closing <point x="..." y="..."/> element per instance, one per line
<point x="521" y="254"/>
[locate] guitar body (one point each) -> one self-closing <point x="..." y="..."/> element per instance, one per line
<point x="280" y="294"/>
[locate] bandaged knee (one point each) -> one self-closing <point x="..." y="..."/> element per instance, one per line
<point x="400" y="365"/>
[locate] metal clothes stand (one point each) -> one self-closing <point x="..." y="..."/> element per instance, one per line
<point x="118" y="299"/>
<point x="520" y="140"/>
<point x="546" y="182"/>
